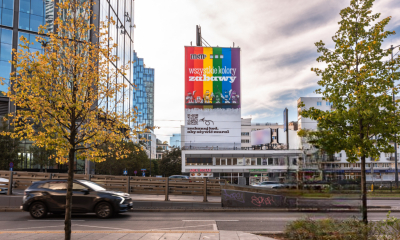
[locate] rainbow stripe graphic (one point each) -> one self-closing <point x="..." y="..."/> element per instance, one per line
<point x="212" y="77"/>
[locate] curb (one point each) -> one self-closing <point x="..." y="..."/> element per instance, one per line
<point x="260" y="210"/>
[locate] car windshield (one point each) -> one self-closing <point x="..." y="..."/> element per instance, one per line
<point x="92" y="185"/>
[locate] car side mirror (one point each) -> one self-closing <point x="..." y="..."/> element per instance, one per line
<point x="85" y="191"/>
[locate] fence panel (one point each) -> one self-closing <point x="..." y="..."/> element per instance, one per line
<point x="138" y="185"/>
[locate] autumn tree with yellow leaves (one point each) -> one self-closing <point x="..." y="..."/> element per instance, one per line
<point x="359" y="80"/>
<point x="70" y="90"/>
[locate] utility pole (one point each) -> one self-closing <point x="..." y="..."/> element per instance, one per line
<point x="396" y="173"/>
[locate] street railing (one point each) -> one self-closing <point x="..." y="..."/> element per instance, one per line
<point x="135" y="185"/>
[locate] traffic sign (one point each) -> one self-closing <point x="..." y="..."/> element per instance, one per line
<point x="143" y="169"/>
<point x="143" y="174"/>
<point x="135" y="172"/>
<point x="125" y="172"/>
<point x="11" y="164"/>
<point x="11" y="168"/>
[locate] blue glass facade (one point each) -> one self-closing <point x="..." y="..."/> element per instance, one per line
<point x="143" y="94"/>
<point x="31" y="14"/>
<point x="23" y="18"/>
<point x="5" y="57"/>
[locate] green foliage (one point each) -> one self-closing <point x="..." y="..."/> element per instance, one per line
<point x="135" y="160"/>
<point x="171" y="163"/>
<point x="358" y="79"/>
<point x="333" y="229"/>
<point x="43" y="157"/>
<point x="9" y="148"/>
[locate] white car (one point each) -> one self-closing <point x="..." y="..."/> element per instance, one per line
<point x="269" y="184"/>
<point x="3" y="185"/>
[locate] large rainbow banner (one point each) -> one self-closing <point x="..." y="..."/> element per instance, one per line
<point x="212" y="77"/>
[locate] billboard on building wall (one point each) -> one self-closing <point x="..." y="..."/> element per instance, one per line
<point x="212" y="77"/>
<point x="261" y="137"/>
<point x="212" y="128"/>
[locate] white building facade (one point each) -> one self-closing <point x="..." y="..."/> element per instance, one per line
<point x="337" y="168"/>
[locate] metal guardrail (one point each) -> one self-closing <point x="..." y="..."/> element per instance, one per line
<point x="130" y="184"/>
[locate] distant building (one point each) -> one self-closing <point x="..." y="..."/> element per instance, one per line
<point x="143" y="95"/>
<point x="316" y="102"/>
<point x="248" y="127"/>
<point x="148" y="140"/>
<point x="293" y="125"/>
<point x="175" y="140"/>
<point x="161" y="148"/>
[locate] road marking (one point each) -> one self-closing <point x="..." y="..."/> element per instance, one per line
<point x="210" y="220"/>
<point x="158" y="229"/>
<point x="54" y="220"/>
<point x="101" y="227"/>
<point x="105" y="231"/>
<point x="30" y="228"/>
<point x="215" y="227"/>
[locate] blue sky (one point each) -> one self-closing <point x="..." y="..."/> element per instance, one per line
<point x="277" y="49"/>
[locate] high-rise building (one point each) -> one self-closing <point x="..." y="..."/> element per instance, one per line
<point x="23" y="18"/>
<point x="175" y="140"/>
<point x="143" y="95"/>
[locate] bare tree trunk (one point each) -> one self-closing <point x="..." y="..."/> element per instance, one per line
<point x="364" y="190"/>
<point x="68" y="207"/>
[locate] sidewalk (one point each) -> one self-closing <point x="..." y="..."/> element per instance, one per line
<point x="134" y="235"/>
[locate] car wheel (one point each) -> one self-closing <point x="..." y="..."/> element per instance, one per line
<point x="104" y="210"/>
<point x="38" y="210"/>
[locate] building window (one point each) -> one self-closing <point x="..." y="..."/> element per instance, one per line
<point x="223" y="161"/>
<point x="245" y="134"/>
<point x="319" y="103"/>
<point x="245" y="141"/>
<point x="33" y="13"/>
<point x="5" y="56"/>
<point x="6" y="12"/>
<point x="328" y="103"/>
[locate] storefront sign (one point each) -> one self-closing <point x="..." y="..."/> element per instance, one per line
<point x="200" y="170"/>
<point x="194" y="175"/>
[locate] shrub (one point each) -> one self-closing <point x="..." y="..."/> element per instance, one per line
<point x="332" y="229"/>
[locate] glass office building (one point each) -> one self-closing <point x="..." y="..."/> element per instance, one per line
<point x="143" y="95"/>
<point x="23" y="17"/>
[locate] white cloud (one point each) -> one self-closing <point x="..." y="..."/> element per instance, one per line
<point x="277" y="41"/>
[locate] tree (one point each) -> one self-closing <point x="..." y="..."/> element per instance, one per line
<point x="73" y="91"/>
<point x="171" y="163"/>
<point x="135" y="160"/>
<point x="43" y="157"/>
<point x="9" y="148"/>
<point x="358" y="80"/>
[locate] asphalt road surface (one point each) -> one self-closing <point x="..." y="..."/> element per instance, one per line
<point x="230" y="221"/>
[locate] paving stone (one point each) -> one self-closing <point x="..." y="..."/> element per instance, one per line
<point x="152" y="236"/>
<point x="113" y="236"/>
<point x="247" y="236"/>
<point x="171" y="236"/>
<point x="95" y="236"/>
<point x="77" y="236"/>
<point x="228" y="235"/>
<point x="190" y="236"/>
<point x="133" y="236"/>
<point x="209" y="236"/>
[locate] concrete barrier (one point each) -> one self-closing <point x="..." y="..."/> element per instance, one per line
<point x="240" y="199"/>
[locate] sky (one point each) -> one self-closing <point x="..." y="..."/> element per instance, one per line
<point x="277" y="49"/>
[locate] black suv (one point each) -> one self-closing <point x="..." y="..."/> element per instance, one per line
<point x="87" y="197"/>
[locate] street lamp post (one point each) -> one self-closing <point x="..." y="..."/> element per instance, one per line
<point x="396" y="176"/>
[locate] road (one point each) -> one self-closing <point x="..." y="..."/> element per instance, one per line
<point x="230" y="221"/>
